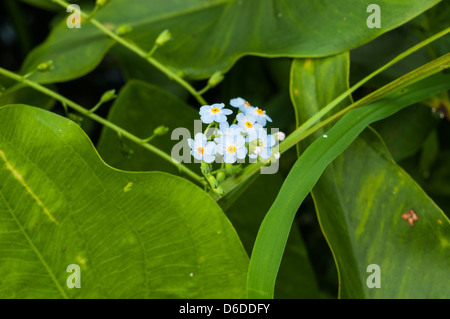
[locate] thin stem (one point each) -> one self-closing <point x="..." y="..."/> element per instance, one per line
<point x="26" y="76"/>
<point x="304" y="131"/>
<point x="148" y="139"/>
<point x="219" y="170"/>
<point x="133" y="47"/>
<point x="204" y="90"/>
<point x="96" y="107"/>
<point x="93" y="12"/>
<point x="292" y="139"/>
<point x="208" y="127"/>
<point x="102" y="121"/>
<point x="155" y="47"/>
<point x="405" y="80"/>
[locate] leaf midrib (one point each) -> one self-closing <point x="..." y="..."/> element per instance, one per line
<point x="35" y="249"/>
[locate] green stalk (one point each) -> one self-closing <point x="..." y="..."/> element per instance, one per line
<point x="302" y="132"/>
<point x="145" y="55"/>
<point x="420" y="73"/>
<point x="292" y="139"/>
<point x="102" y="121"/>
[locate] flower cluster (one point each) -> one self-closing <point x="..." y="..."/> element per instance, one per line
<point x="246" y="136"/>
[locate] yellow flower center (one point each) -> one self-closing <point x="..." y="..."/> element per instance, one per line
<point x="248" y="124"/>
<point x="260" y="112"/>
<point x="200" y="150"/>
<point x="247" y="104"/>
<point x="231" y="149"/>
<point x="261" y="144"/>
<point x="215" y="110"/>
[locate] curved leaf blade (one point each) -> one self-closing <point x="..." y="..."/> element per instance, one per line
<point x="134" y="235"/>
<point x="272" y="236"/>
<point x="210" y="35"/>
<point x="360" y="199"/>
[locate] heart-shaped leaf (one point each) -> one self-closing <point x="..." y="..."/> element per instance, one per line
<point x="133" y="235"/>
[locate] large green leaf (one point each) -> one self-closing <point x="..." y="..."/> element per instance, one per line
<point x="134" y="235"/>
<point x="273" y="233"/>
<point x="210" y="35"/>
<point x="360" y="199"/>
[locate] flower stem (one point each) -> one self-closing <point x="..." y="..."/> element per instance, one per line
<point x="307" y="128"/>
<point x="292" y="139"/>
<point x="136" y="49"/>
<point x="65" y="101"/>
<point x="208" y="127"/>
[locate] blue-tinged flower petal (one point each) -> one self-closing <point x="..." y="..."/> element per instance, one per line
<point x="240" y="117"/>
<point x="209" y="158"/>
<point x="241" y="152"/>
<point x="218" y="105"/>
<point x="220" y="118"/>
<point x="191" y="142"/>
<point x="207" y="118"/>
<point x="229" y="158"/>
<point x="200" y="139"/>
<point x="240" y="141"/>
<point x="237" y="102"/>
<point x="198" y="156"/>
<point x="210" y="148"/>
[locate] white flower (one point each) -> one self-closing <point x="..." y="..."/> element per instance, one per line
<point x="214" y="113"/>
<point x="232" y="147"/>
<point x="201" y="149"/>
<point x="242" y="104"/>
<point x="247" y="123"/>
<point x="260" y="144"/>
<point x="259" y="115"/>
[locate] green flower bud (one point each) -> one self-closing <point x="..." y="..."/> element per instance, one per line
<point x="163" y="38"/>
<point x="215" y="79"/>
<point x="45" y="66"/>
<point x="181" y="73"/>
<point x="124" y="29"/>
<point x="221" y="176"/>
<point x="161" y="130"/>
<point x="102" y="3"/>
<point x="108" y="96"/>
